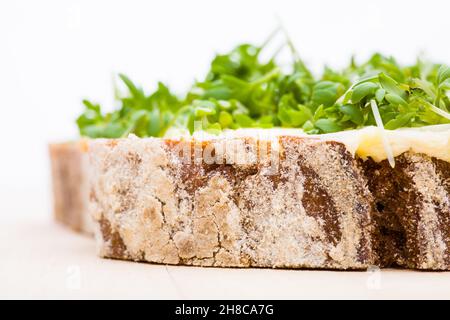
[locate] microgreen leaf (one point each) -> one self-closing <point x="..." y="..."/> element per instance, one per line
<point x="400" y="121"/>
<point x="380" y="94"/>
<point x="443" y="74"/>
<point x="363" y="90"/>
<point x="390" y="85"/>
<point x="395" y="99"/>
<point x="354" y="113"/>
<point x="327" y="125"/>
<point x="326" y="93"/>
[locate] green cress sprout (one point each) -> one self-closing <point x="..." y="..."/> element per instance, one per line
<point x="241" y="90"/>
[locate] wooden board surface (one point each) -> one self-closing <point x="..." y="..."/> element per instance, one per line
<point x="41" y="259"/>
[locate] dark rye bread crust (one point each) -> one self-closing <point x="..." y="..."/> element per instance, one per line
<point x="313" y="211"/>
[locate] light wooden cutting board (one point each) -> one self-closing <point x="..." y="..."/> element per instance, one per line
<point x="40" y="259"/>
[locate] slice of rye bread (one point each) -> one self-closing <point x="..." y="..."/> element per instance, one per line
<point x="410" y="220"/>
<point x="290" y="203"/>
<point x="69" y="162"/>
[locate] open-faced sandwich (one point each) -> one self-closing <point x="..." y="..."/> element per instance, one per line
<point x="258" y="166"/>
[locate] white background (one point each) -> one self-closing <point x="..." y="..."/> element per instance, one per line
<point x="54" y="53"/>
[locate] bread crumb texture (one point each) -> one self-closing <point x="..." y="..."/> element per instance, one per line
<point x="292" y="202"/>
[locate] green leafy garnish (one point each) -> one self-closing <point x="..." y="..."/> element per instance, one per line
<point x="241" y="90"/>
